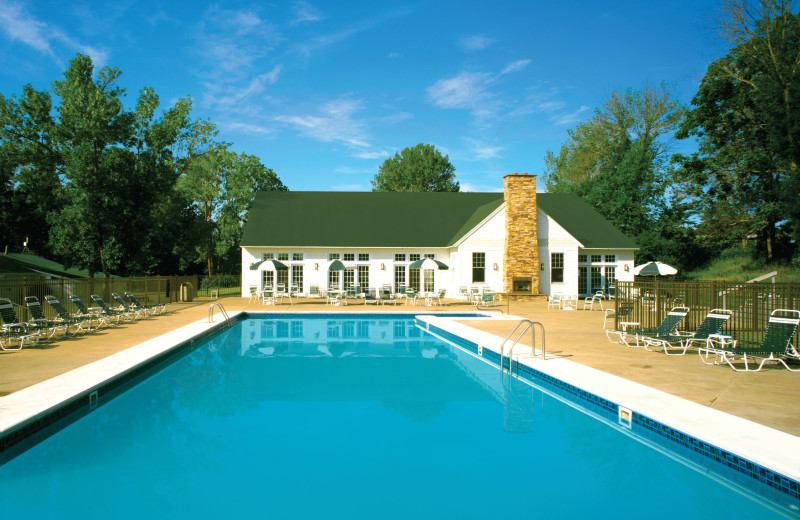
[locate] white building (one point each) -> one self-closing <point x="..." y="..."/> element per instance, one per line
<point x="568" y="248"/>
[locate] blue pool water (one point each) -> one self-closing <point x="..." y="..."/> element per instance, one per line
<point x="350" y="418"/>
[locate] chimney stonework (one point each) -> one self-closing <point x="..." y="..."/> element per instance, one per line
<point x="521" y="250"/>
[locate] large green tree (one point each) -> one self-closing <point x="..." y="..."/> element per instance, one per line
<point x="420" y="168"/>
<point x="618" y="162"/>
<point x="746" y="119"/>
<point x="220" y="185"/>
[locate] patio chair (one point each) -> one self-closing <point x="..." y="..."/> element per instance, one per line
<point x="371" y="296"/>
<point x="69" y="319"/>
<point x="137" y="313"/>
<point x="712" y="324"/>
<point x="386" y="295"/>
<point x="667" y="327"/>
<point x="411" y="296"/>
<point x="47" y="328"/>
<point x="554" y="300"/>
<point x="13" y="330"/>
<point x="313" y="292"/>
<point x="253" y="294"/>
<point x="94" y="312"/>
<point x="487" y="299"/>
<point x="776" y="347"/>
<point x="158" y="308"/>
<point x="105" y="310"/>
<point x="440" y="297"/>
<point x="596" y="298"/>
<point x="463" y="293"/>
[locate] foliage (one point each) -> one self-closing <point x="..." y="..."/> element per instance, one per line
<point x="617" y="161"/>
<point x="746" y="118"/>
<point x="220" y="281"/>
<point x="740" y="265"/>
<point x="421" y="168"/>
<point x="121" y="191"/>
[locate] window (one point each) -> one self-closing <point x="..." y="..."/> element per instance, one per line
<point x="333" y="256"/>
<point x="297" y="257"/>
<point x="413" y="279"/>
<point x="430" y="255"/>
<point x="349" y="257"/>
<point x="283" y="257"/>
<point x="363" y="276"/>
<point x="297" y="329"/>
<point x="428" y="284"/>
<point x="349" y="278"/>
<point x="363" y="257"/>
<point x="333" y="279"/>
<point x="267" y="256"/>
<point x="399" y="257"/>
<point x="399" y="275"/>
<point x="478" y="267"/>
<point x="297" y="277"/>
<point x="413" y="257"/>
<point x="283" y="278"/>
<point x="267" y="279"/>
<point x="611" y="258"/>
<point x="611" y="275"/>
<point x="556" y="267"/>
<point x="597" y="258"/>
<point x="596" y="279"/>
<point x="582" y="259"/>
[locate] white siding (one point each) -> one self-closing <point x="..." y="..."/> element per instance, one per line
<point x="555" y="239"/>
<point x="488" y="237"/>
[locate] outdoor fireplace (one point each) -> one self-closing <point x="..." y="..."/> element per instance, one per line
<point x="522" y="285"/>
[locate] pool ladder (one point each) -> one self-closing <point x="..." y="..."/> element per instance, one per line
<point x="528" y="325"/>
<point x="222" y="310"/>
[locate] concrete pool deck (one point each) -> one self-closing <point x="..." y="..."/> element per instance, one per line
<point x="767" y="398"/>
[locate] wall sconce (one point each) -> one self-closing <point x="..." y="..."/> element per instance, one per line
<point x="316" y="266"/>
<point x="541" y="267"/>
<point x="626" y="268"/>
<point x="383" y="267"/>
<point x="494" y="267"/>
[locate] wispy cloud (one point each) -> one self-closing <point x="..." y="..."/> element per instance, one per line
<point x="566" y="119"/>
<point x="475" y="43"/>
<point x="467" y="90"/>
<point x="482" y="150"/>
<point x="229" y="96"/>
<point x="20" y="26"/>
<point x="305" y="12"/>
<point x="515" y="66"/>
<point x="334" y="121"/>
<point x="247" y="128"/>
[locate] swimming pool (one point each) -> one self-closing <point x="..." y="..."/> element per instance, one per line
<point x="348" y="416"/>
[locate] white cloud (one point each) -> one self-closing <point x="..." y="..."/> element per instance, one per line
<point x="566" y="119"/>
<point x="247" y="128"/>
<point x="515" y="66"/>
<point x="377" y="154"/>
<point x="480" y="188"/>
<point x="333" y="122"/>
<point x="228" y="96"/>
<point x="21" y="26"/>
<point x="348" y="170"/>
<point x="305" y="12"/>
<point x="467" y="91"/>
<point x="482" y="150"/>
<point x="475" y="43"/>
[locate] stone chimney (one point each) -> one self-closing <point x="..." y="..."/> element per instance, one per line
<point x="521" y="251"/>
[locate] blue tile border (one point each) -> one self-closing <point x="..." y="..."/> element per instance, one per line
<point x="746" y="473"/>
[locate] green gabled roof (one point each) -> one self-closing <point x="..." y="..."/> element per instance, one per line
<point x="19" y="263"/>
<point x="583" y="222"/>
<point x="364" y="219"/>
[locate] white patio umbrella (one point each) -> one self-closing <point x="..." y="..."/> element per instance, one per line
<point x="654" y="269"/>
<point x="428" y="264"/>
<point x="341" y="265"/>
<point x="268" y="265"/>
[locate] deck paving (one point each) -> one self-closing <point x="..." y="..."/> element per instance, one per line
<point x="768" y="397"/>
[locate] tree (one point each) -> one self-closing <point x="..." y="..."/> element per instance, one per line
<point x="421" y="168"/>
<point x="746" y="118"/>
<point x="617" y="161"/>
<point x="221" y="184"/>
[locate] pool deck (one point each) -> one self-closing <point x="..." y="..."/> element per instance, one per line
<point x="768" y="398"/>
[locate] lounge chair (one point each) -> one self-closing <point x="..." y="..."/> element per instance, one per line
<point x="68" y="319"/>
<point x="371" y="296"/>
<point x="712" y="324"/>
<point x="385" y="296"/>
<point x="487" y="299"/>
<point x="13" y="330"/>
<point x="105" y="310"/>
<point x="47" y="328"/>
<point x="136" y="312"/>
<point x="776" y="347"/>
<point x="667" y="327"/>
<point x="153" y="310"/>
<point x="95" y="312"/>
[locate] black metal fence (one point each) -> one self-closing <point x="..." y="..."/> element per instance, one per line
<point x="148" y="290"/>
<point x="647" y="302"/>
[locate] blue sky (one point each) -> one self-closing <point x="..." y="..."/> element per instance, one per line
<point x="323" y="92"/>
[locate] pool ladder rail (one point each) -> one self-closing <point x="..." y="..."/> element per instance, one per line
<point x="529" y="325"/>
<point x="222" y="310"/>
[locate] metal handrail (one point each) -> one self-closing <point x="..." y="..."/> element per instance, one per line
<point x="528" y="325"/>
<point x="222" y="309"/>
